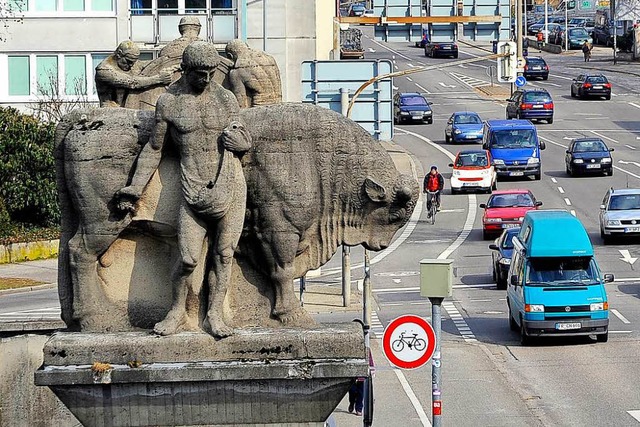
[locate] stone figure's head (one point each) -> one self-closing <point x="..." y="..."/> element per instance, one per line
<point x="126" y="54"/>
<point x="189" y="25"/>
<point x="235" y="48"/>
<point x="199" y="62"/>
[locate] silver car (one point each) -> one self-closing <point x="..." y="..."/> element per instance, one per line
<point x="620" y="213"/>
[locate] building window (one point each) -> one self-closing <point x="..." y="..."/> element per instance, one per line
<point x="167" y="7"/>
<point x="46" y="5"/>
<point x="75" y="78"/>
<point x="102" y="5"/>
<point x="96" y="58"/>
<point x="19" y="75"/>
<point x="221" y="4"/>
<point x="17" y="6"/>
<point x="73" y="5"/>
<point x="47" y="75"/>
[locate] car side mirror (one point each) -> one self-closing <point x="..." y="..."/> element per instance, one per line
<point x="542" y="145"/>
<point x="494" y="247"/>
<point x="450" y="165"/>
<point x="567" y="151"/>
<point x="603" y="207"/>
<point x="508" y="99"/>
<point x="608" y="278"/>
<point x="513" y="280"/>
<point x="485" y="146"/>
<point x="430" y="103"/>
<point x="482" y="206"/>
<point x="538" y="203"/>
<point x="612" y="149"/>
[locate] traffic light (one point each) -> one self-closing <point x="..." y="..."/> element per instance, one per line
<point x="507" y="64"/>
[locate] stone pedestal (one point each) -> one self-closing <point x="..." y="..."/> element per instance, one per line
<point x="258" y="376"/>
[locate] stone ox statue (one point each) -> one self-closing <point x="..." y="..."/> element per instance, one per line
<point x="315" y="180"/>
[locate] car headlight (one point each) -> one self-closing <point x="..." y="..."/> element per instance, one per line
<point x="534" y="308"/>
<point x="533" y="160"/>
<point x="613" y="222"/>
<point x="456" y="173"/>
<point x="598" y="306"/>
<point x="505" y="261"/>
<point x="428" y="113"/>
<point x="498" y="161"/>
<point x="404" y="113"/>
<point x="578" y="161"/>
<point x="457" y="131"/>
<point x="484" y="172"/>
<point x="606" y="160"/>
<point x="493" y="220"/>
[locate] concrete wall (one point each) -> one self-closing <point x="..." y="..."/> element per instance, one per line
<point x="296" y="31"/>
<point x="22" y="404"/>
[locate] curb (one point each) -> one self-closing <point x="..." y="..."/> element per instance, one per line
<point x="30" y="251"/>
<point x="28" y="289"/>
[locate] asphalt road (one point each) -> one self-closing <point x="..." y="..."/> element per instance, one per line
<point x="488" y="378"/>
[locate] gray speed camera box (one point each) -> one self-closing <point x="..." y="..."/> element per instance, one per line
<point x="436" y="277"/>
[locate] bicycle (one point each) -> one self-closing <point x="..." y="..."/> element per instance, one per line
<point x="414" y="343"/>
<point x="432" y="207"/>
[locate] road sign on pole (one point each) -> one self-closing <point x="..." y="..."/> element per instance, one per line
<point x="507" y="64"/>
<point x="408" y="342"/>
<point x="520" y="81"/>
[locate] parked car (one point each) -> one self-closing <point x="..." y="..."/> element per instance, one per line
<point x="506" y="209"/>
<point x="620" y="214"/>
<point x="463" y="126"/>
<point x="356" y="9"/>
<point x="586" y="23"/>
<point x="555" y="34"/>
<point x="532" y="104"/>
<point x="411" y="106"/>
<point x="533" y="30"/>
<point x="535" y="67"/>
<point x="435" y="49"/>
<point x="577" y="37"/>
<point x="590" y="85"/>
<point x="588" y="155"/>
<point x="502" y="249"/>
<point x="472" y="171"/>
<point x="603" y="34"/>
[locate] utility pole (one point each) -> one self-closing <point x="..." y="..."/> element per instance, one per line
<point x="519" y="35"/>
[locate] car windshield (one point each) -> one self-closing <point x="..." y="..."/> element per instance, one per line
<point x="514" y="138"/>
<point x="467" y="119"/>
<point x="562" y="271"/>
<point x="578" y="32"/>
<point x="624" y="202"/>
<point x="597" y="79"/>
<point x="413" y="100"/>
<point x="472" y="159"/>
<point x="510" y="201"/>
<point x="535" y="61"/>
<point x="507" y="243"/>
<point x="537" y="97"/>
<point x="577" y="21"/>
<point x="586" y="146"/>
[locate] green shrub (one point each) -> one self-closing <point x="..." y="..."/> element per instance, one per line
<point x="27" y="169"/>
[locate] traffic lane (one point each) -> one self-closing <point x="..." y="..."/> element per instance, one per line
<point x="31" y="300"/>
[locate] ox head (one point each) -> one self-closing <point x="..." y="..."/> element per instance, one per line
<point x="384" y="211"/>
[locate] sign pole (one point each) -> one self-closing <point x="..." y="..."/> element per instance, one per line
<point x="436" y="390"/>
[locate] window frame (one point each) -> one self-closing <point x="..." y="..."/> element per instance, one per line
<point x="32" y="12"/>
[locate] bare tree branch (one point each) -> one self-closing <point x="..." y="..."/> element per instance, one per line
<point x="52" y="105"/>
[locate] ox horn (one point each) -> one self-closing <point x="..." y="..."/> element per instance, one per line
<point x="405" y="189"/>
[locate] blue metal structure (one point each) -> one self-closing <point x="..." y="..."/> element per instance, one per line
<point x="398" y="32"/>
<point x="373" y="109"/>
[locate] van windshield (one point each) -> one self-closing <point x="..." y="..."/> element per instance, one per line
<point x="513" y="138"/>
<point x="561" y="271"/>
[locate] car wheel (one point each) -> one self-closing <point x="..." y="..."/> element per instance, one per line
<point x="485" y="235"/>
<point x="545" y="77"/>
<point x="602" y="337"/>
<point x="610" y="172"/>
<point x="580" y="94"/>
<point x="507" y="116"/>
<point x="608" y="97"/>
<point x="494" y="186"/>
<point x="518" y="116"/>
<point x="537" y="176"/>
<point x="454" y="191"/>
<point x="568" y="169"/>
<point x="425" y="53"/>
<point x="396" y="120"/>
<point x="512" y="322"/>
<point x="606" y="239"/>
<point x="455" y="55"/>
<point x="494" y="276"/>
<point x="524" y="338"/>
<point x="447" y="139"/>
<point x="550" y="120"/>
<point x="573" y="93"/>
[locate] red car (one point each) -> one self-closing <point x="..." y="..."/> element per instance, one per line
<point x="506" y="209"/>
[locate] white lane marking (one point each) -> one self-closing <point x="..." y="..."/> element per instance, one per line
<point x="376" y="325"/>
<point x="412" y="397"/>
<point x="555" y="181"/>
<point x="389" y="304"/>
<point x="561" y="190"/>
<point x="395" y="290"/>
<point x="423" y="89"/>
<point x="567" y="201"/>
<point x="417" y="288"/>
<point x="635" y="414"/>
<point x="587" y="114"/>
<point x="630" y="146"/>
<point x="550" y="84"/>
<point x="391" y="50"/>
<point x="462" y="66"/>
<point x="460" y="323"/>
<point x="620" y="332"/>
<point x="619" y="316"/>
<point x="446" y="85"/>
<point x="626" y="256"/>
<point x="552" y="142"/>
<point x="395" y="66"/>
<point x="561" y="77"/>
<point x="409" y="64"/>
<point x="635" y="105"/>
<point x="409" y="78"/>
<point x="480" y="300"/>
<point x="605" y="137"/>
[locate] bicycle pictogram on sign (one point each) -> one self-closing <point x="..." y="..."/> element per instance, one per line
<point x="408" y="342"/>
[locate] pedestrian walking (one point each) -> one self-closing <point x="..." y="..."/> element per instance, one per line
<point x="356" y="396"/>
<point x="586" y="51"/>
<point x="539" y="38"/>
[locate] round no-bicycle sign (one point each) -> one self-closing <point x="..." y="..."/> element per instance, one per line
<point x="409" y="342"/>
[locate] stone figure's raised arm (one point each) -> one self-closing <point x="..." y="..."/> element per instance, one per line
<point x="112" y="76"/>
<point x="146" y="164"/>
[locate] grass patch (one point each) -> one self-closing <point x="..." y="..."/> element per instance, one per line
<point x="16" y="283"/>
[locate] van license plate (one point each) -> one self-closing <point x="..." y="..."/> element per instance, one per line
<point x="416" y="117"/>
<point x="568" y="326"/>
<point x="516" y="173"/>
<point x="632" y="230"/>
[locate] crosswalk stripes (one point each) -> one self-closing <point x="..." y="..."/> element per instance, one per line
<point x="468" y="80"/>
<point x="48" y="313"/>
<point x="376" y="326"/>
<point x="459" y="322"/>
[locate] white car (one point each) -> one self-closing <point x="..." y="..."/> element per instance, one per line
<point x="473" y="171"/>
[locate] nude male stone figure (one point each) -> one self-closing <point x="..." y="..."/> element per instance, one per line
<point x="120" y="72"/>
<point x="200" y="118"/>
<point x="255" y="77"/>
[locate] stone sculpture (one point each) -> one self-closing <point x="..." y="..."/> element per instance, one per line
<point x="197" y="116"/>
<point x="189" y="28"/>
<point x="255" y="77"/>
<point x="119" y="73"/>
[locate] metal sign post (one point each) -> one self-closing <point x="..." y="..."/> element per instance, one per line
<point x="436" y="384"/>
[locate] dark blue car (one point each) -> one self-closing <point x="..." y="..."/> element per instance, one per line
<point x="588" y="155"/>
<point x="501" y="256"/>
<point x="411" y="106"/>
<point x="530" y="104"/>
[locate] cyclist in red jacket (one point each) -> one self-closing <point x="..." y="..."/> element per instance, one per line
<point x="433" y="182"/>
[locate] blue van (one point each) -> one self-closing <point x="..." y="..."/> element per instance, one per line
<point x="514" y="146"/>
<point x="555" y="286"/>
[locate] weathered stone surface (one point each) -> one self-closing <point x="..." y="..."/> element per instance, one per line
<point x="316" y="181"/>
